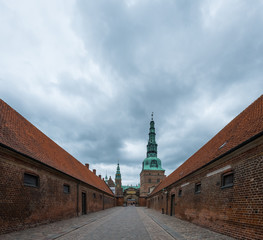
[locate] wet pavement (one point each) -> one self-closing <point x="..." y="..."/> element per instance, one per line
<point x="118" y="223"/>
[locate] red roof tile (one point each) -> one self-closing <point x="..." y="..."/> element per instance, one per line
<point x="246" y="125"/>
<point x="19" y="134"/>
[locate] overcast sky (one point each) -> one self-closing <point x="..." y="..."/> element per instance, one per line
<point x="89" y="73"/>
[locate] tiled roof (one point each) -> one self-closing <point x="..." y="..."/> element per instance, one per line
<point x="19" y="134"/>
<point x="246" y="125"/>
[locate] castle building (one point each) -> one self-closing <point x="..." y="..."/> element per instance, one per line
<point x="131" y="195"/>
<point x="152" y="172"/>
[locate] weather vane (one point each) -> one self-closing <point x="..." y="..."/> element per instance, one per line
<point x="152" y="116"/>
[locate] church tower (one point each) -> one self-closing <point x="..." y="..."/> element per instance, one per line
<point x="152" y="172"/>
<point x="118" y="188"/>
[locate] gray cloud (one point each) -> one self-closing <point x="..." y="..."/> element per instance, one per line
<point x="89" y="74"/>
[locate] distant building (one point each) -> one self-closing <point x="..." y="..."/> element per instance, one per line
<point x="110" y="183"/>
<point x="152" y="172"/>
<point x="131" y="195"/>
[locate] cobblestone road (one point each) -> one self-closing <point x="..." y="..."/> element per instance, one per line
<point x="118" y="223"/>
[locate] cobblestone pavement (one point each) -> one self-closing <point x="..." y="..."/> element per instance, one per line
<point x="118" y="223"/>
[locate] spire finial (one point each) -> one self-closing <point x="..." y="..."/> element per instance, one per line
<point x="152" y="116"/>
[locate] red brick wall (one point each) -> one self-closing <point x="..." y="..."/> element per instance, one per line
<point x="119" y="201"/>
<point x="236" y="211"/>
<point x="24" y="206"/>
<point x="109" y="201"/>
<point x="153" y="175"/>
<point x="142" y="202"/>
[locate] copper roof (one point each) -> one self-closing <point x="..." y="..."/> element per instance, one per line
<point x="246" y="125"/>
<point x="19" y="134"/>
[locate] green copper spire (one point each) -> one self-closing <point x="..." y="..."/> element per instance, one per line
<point x="118" y="173"/>
<point x="151" y="162"/>
<point x="152" y="145"/>
<point x="106" y="178"/>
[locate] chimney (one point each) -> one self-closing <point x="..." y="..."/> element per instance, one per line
<point x="94" y="171"/>
<point x="103" y="179"/>
<point x="87" y="165"/>
<point x="100" y="176"/>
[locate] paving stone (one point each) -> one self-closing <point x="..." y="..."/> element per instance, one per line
<point x="134" y="223"/>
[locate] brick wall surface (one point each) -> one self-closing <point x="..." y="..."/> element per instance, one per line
<point x="24" y="206"/>
<point x="236" y="211"/>
<point x="149" y="179"/>
<point x="142" y="202"/>
<point x="119" y="201"/>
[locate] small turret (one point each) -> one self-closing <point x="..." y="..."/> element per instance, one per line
<point x="118" y="173"/>
<point x="106" y="178"/>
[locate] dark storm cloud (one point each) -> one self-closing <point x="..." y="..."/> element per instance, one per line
<point x="89" y="74"/>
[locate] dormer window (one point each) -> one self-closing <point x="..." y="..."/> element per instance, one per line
<point x="154" y="163"/>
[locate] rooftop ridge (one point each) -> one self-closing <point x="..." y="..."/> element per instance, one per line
<point x="17" y="133"/>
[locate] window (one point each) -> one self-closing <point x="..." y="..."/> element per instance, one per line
<point x="158" y="180"/>
<point x="66" y="188"/>
<point x="197" y="187"/>
<point x="154" y="163"/>
<point x="94" y="195"/>
<point x="227" y="179"/>
<point x="31" y="180"/>
<point x="180" y="193"/>
<point x="149" y="180"/>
